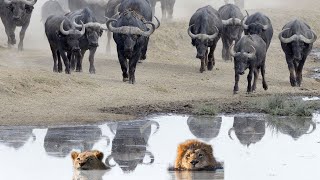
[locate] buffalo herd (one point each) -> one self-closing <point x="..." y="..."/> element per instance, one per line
<point x="74" y="30"/>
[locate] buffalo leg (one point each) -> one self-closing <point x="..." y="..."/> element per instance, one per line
<point x="79" y="57"/>
<point x="202" y="67"/>
<point x="22" y="34"/>
<point x="249" y="78"/>
<point x="225" y="50"/>
<point x="124" y="66"/>
<point x="256" y="75"/>
<point x="66" y="61"/>
<point x="54" y="56"/>
<point x="132" y="68"/>
<point x="164" y="9"/>
<point x="206" y="59"/>
<point x="70" y="56"/>
<point x="299" y="71"/>
<point x="236" y="86"/>
<point x="263" y="73"/>
<point x="109" y="34"/>
<point x="9" y="29"/>
<point x="292" y="71"/>
<point x="144" y="49"/>
<point x="92" y="69"/>
<point x="211" y="62"/>
<point x="59" y="62"/>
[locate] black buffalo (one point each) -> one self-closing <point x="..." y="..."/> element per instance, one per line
<point x="249" y="52"/>
<point x="166" y="8"/>
<point x="98" y="7"/>
<point x="297" y="40"/>
<point x="131" y="34"/>
<point x="16" y="137"/>
<point x="231" y="17"/>
<point x="205" y="28"/>
<point x="51" y="7"/>
<point x="249" y="130"/>
<point x="63" y="38"/>
<point x="292" y="126"/>
<point x="204" y="128"/>
<point x="129" y="146"/>
<point x="259" y="24"/>
<point x="90" y="39"/>
<point x="16" y="13"/>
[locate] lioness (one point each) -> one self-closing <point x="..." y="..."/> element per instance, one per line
<point x="88" y="160"/>
<point x="193" y="155"/>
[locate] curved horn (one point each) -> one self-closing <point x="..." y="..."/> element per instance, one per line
<point x="243" y="22"/>
<point x="7" y="1"/>
<point x="309" y="41"/>
<point x="314" y="127"/>
<point x="83" y="30"/>
<point x="213" y="36"/>
<point x="232" y="52"/>
<point x="227" y="22"/>
<point x="157" y="126"/>
<point x="193" y="36"/>
<point x="237" y="21"/>
<point x="286" y="40"/>
<point x="252" y="54"/>
<point x="247" y="13"/>
<point x="110" y="27"/>
<point x="107" y="161"/>
<point x="264" y="27"/>
<point x="30" y="3"/>
<point x="229" y="133"/>
<point x="158" y="22"/>
<point x="64" y="32"/>
<point x="73" y="20"/>
<point x="151" y="158"/>
<point x="151" y="30"/>
<point x="117" y="8"/>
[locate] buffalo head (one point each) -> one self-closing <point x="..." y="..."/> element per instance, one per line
<point x="19" y="8"/>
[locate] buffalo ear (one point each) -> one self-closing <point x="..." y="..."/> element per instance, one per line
<point x="74" y="155"/>
<point x="99" y="155"/>
<point x="29" y="9"/>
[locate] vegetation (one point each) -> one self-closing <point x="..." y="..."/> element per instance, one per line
<point x="283" y="106"/>
<point x="206" y="109"/>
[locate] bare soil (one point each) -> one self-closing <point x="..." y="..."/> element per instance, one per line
<point x="169" y="80"/>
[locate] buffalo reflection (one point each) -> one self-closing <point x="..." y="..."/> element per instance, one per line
<point x="249" y="130"/>
<point x="59" y="142"/>
<point x="204" y="127"/>
<point x="129" y="146"/>
<point x="292" y="126"/>
<point x="15" y="137"/>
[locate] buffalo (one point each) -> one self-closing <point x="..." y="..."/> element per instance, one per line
<point x="297" y="40"/>
<point x="90" y="39"/>
<point x="259" y="24"/>
<point x="249" y="52"/>
<point x="131" y="33"/>
<point x="231" y="17"/>
<point x="51" y="7"/>
<point x="16" y="137"/>
<point x="205" y="28"/>
<point x="249" y="130"/>
<point x="63" y="38"/>
<point x="166" y="7"/>
<point x="16" y="13"/>
<point x="129" y="146"/>
<point x="97" y="7"/>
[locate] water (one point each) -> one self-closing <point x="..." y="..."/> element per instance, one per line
<point x="250" y="146"/>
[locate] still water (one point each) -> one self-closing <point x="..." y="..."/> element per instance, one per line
<point x="250" y="146"/>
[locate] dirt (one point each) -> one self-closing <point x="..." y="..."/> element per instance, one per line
<point x="169" y="80"/>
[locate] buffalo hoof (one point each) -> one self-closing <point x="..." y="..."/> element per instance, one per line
<point x="92" y="70"/>
<point x="210" y="66"/>
<point x="202" y="70"/>
<point x="55" y="69"/>
<point x="78" y="70"/>
<point x="20" y="47"/>
<point x="265" y="87"/>
<point x="125" y="79"/>
<point x="68" y="71"/>
<point x="235" y="92"/>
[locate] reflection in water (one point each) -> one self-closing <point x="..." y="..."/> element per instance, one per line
<point x="59" y="142"/>
<point x="15" y="137"/>
<point x="88" y="175"/>
<point x="292" y="126"/>
<point x="248" y="129"/>
<point x="204" y="127"/>
<point x="129" y="146"/>
<point x="199" y="175"/>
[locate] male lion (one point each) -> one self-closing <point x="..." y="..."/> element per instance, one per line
<point x="193" y="155"/>
<point x="88" y="160"/>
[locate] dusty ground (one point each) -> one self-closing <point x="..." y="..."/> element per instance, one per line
<point x="168" y="81"/>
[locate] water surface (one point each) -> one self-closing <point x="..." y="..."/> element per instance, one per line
<point x="250" y="146"/>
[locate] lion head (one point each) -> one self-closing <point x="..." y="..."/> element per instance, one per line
<point x="195" y="155"/>
<point x="88" y="160"/>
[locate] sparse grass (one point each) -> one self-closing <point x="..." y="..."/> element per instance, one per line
<point x="47" y="81"/>
<point x="206" y="109"/>
<point x="282" y="106"/>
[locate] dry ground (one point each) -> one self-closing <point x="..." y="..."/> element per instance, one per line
<point x="168" y="81"/>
